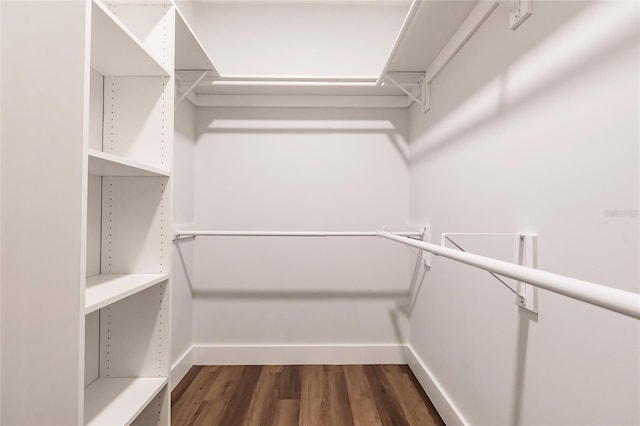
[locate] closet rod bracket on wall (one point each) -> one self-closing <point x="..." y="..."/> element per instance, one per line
<point x="525" y="254"/>
<point x="519" y="11"/>
<point x="425" y="92"/>
<point x="190" y="88"/>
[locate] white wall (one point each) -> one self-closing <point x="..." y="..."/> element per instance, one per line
<point x="300" y="169"/>
<point x="183" y="214"/>
<point x="534" y="130"/>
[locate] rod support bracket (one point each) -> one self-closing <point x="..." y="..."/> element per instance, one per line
<point x="519" y="12"/>
<point x="425" y="92"/>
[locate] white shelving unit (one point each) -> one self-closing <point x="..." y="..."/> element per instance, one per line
<point x="127" y="337"/>
<point x="87" y="339"/>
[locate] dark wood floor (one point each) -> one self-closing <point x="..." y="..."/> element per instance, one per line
<point x="305" y="395"/>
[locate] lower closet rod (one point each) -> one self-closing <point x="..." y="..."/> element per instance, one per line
<point x="186" y="234"/>
<point x="621" y="301"/>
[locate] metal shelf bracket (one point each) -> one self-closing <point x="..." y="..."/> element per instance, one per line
<point x="519" y="11"/>
<point x="425" y="92"/>
<point x="525" y="254"/>
<point x="193" y="86"/>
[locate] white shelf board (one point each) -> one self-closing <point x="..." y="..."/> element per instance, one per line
<point x="102" y="290"/>
<point x="105" y="164"/>
<point x="190" y="54"/>
<point x="115" y="50"/>
<point x="118" y="401"/>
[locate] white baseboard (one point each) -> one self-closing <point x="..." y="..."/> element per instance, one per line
<point x="298" y="354"/>
<point x="445" y="406"/>
<point x="180" y="368"/>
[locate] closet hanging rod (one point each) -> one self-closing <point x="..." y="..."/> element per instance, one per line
<point x="621" y="301"/>
<point x="185" y="234"/>
<point x="296" y="79"/>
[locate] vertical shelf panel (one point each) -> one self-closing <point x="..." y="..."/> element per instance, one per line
<point x="91" y="348"/>
<point x="94" y="215"/>
<point x="96" y="110"/>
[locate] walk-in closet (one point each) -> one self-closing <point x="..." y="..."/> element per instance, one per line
<point x="319" y="212"/>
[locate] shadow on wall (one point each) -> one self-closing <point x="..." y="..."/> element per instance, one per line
<point x="185" y="269"/>
<point x="488" y="99"/>
<point x="307" y="121"/>
<point x="300" y="295"/>
<point x="524" y="319"/>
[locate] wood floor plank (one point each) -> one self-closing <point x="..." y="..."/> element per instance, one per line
<point x="389" y="408"/>
<point x="393" y="369"/>
<point x="412" y="405"/>
<point x="236" y="410"/>
<point x="262" y="408"/>
<point x="311" y="394"/>
<point x="218" y="396"/>
<point x="287" y="412"/>
<point x="290" y="382"/>
<point x="332" y="368"/>
<point x="182" y="386"/>
<point x="274" y="368"/>
<point x="423" y="396"/>
<point x="363" y="408"/>
<point x="224" y="383"/>
<point x="339" y="406"/>
<point x="190" y="403"/>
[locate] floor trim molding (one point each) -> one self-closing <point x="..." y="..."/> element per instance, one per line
<point x="298" y="354"/>
<point x="180" y="368"/>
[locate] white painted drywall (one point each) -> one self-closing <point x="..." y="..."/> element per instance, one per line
<point x="300" y="169"/>
<point x="299" y="37"/>
<point x="534" y="130"/>
<point x="183" y="207"/>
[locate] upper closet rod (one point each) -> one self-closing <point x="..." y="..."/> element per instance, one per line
<point x="624" y="302"/>
<point x="183" y="234"/>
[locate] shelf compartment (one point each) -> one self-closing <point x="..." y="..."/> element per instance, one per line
<point x="104" y="164"/>
<point x="116" y="51"/>
<point x="105" y="289"/>
<point x="118" y="401"/>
